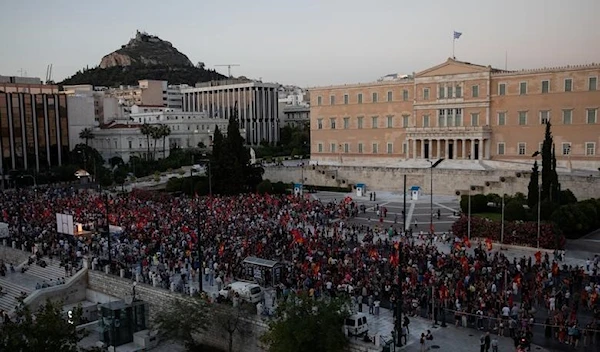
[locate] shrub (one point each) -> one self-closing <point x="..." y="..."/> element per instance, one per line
<point x="514" y="210"/>
<point x="264" y="187"/>
<point x="515" y="232"/>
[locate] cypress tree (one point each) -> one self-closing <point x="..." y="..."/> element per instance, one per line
<point x="533" y="187"/>
<point x="547" y="173"/>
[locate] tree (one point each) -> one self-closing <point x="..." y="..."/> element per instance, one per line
<point x="156" y="134"/>
<point x="43" y="330"/>
<point x="165" y="131"/>
<point x="555" y="185"/>
<point x="230" y="320"/>
<point x="533" y="187"/>
<point x="513" y="210"/>
<point x="86" y="134"/>
<point x="302" y="323"/>
<point x="146" y="130"/>
<point x="550" y="186"/>
<point x="182" y="318"/>
<point x="264" y="187"/>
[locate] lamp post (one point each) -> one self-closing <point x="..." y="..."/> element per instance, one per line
<point x="431" y="196"/>
<point x="399" y="301"/>
<point x="471" y="188"/>
<point x="199" y="245"/>
<point x="539" y="200"/>
<point x="108" y="232"/>
<point x="502" y="179"/>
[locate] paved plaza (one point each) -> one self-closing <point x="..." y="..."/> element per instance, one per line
<point x="418" y="212"/>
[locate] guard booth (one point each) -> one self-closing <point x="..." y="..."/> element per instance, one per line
<point x="119" y="321"/>
<point x="361" y="189"/>
<point x="265" y="272"/>
<point x="415" y="192"/>
<point x="298" y="189"/>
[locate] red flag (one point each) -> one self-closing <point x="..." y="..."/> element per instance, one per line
<point x="488" y="243"/>
<point x="467" y="242"/>
<point x="221" y="250"/>
<point x="394" y="260"/>
<point x="538" y="257"/>
<point x="431" y="229"/>
<point x="297" y="236"/>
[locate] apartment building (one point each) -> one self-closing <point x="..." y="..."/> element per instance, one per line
<point x="459" y="110"/>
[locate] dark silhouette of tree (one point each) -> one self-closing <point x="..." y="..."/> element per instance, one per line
<point x="45" y="330"/>
<point x="304" y="323"/>
<point x="86" y="134"/>
<point x="533" y="187"/>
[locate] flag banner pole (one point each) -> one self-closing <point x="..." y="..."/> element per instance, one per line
<point x="453" y="42"/>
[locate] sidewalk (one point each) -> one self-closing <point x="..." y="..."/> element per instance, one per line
<point x="450" y="338"/>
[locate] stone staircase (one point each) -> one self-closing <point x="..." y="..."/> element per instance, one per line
<point x="8" y="299"/>
<point x="52" y="271"/>
<point x="12" y="255"/>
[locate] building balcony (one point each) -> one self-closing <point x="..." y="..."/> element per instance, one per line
<point x="449" y="132"/>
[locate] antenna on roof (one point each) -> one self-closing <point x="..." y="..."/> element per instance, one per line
<point x="228" y="68"/>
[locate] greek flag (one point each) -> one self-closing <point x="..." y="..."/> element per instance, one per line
<point x="457" y="34"/>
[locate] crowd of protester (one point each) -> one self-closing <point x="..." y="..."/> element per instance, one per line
<point x="323" y="254"/>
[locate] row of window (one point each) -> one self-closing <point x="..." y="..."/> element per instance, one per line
<point x="449" y="91"/>
<point x="454" y="118"/>
<point x="589" y="150"/>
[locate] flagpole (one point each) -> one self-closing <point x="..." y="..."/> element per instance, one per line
<point x="453" y="41"/>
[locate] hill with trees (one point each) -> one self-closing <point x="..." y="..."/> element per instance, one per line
<point x="144" y="57"/>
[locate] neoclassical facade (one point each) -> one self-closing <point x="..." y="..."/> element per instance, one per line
<point x="458" y="110"/>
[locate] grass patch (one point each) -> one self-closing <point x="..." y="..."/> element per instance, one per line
<point x="491" y="216"/>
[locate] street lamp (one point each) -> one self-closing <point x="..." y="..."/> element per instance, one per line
<point x="535" y="155"/>
<point x="400" y="300"/>
<point x="502" y="179"/>
<point x="471" y="188"/>
<point x="431" y="196"/>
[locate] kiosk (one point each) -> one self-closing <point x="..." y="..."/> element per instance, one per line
<point x="415" y="192"/>
<point x="298" y="189"/>
<point x="266" y="273"/>
<point x="361" y="189"/>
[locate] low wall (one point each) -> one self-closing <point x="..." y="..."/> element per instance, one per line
<point x="72" y="292"/>
<point x="215" y="336"/>
<point x="247" y="340"/>
<point x="445" y="181"/>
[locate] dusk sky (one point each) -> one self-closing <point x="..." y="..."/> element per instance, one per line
<point x="303" y="42"/>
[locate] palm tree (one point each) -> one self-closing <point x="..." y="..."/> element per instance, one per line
<point x="86" y="134"/>
<point x="165" y="131"/>
<point x="156" y="135"/>
<point x="146" y="130"/>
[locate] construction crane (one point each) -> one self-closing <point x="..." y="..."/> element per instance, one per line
<point x="228" y="68"/>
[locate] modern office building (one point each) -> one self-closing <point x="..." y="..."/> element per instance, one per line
<point x="34" y="131"/>
<point x="256" y="103"/>
<point x="459" y="110"/>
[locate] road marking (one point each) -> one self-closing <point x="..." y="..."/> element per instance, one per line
<point x="447" y="207"/>
<point x="409" y="216"/>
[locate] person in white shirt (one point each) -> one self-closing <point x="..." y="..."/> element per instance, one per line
<point x="552" y="302"/>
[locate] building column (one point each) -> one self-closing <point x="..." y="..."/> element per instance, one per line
<point x="472" y="149"/>
<point x="446" y="148"/>
<point x="438" y="148"/>
<point x="414" y="151"/>
<point x="481" y="149"/>
<point x="463" y="147"/>
<point x="423" y="148"/>
<point x="488" y="154"/>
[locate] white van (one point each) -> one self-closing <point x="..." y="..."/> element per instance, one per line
<point x="356" y="324"/>
<point x="247" y="291"/>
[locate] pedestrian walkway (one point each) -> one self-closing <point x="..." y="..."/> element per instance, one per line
<point x="449" y="338"/>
